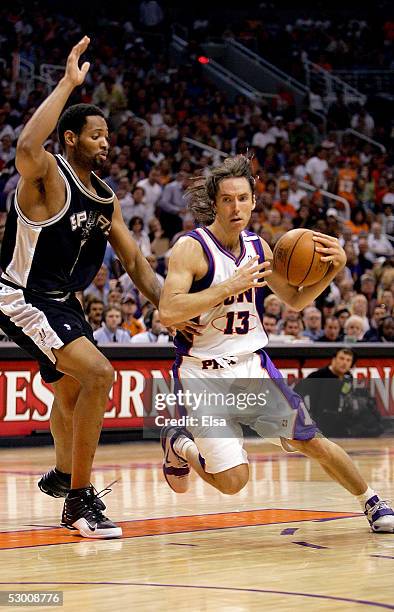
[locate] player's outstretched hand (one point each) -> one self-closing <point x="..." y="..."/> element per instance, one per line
<point x="330" y="249"/>
<point x="74" y="73"/>
<point x="252" y="274"/>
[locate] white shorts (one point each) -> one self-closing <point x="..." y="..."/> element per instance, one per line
<point x="250" y="391"/>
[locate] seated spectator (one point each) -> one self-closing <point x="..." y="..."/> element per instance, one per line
<point x="160" y="243"/>
<point x="273" y="306"/>
<point x="275" y="223"/>
<point x="342" y="314"/>
<point x="368" y="289"/>
<point x="115" y="296"/>
<point x="359" y="307"/>
<point x="292" y="327"/>
<point x="312" y="323"/>
<point x="94" y="310"/>
<point x="152" y="188"/>
<point x="136" y="225"/>
<point x="354" y="329"/>
<point x="129" y="308"/>
<point x="358" y="221"/>
<point x="270" y="324"/>
<point x="296" y="194"/>
<point x="378" y="243"/>
<point x="99" y="287"/>
<point x="155" y="332"/>
<point x="331" y="331"/>
<point x="365" y="259"/>
<point x="111" y="330"/>
<point x="283" y="205"/>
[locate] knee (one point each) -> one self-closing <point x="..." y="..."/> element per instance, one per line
<point x="101" y="375"/>
<point x="232" y="483"/>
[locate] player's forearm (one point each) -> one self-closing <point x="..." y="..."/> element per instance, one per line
<point x="145" y="279"/>
<point x="184" y="307"/>
<point x="44" y="120"/>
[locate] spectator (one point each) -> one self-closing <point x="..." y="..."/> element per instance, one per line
<point x="312" y="323"/>
<point x="172" y="205"/>
<point x="296" y="194"/>
<point x="363" y="122"/>
<point x="332" y="330"/>
<point x="99" y="287"/>
<point x="342" y="314"/>
<point x="270" y="324"/>
<point x="151" y="14"/>
<point x="155" y="332"/>
<point x="359" y="307"/>
<point x="128" y="309"/>
<point x="317" y="167"/>
<point x="111" y="330"/>
<point x="378" y="243"/>
<point x="275" y="224"/>
<point x="94" y="312"/>
<point x="136" y="225"/>
<point x="273" y="306"/>
<point x="358" y="221"/>
<point x="262" y="138"/>
<point x="283" y="205"/>
<point x="152" y="189"/>
<point x="293" y="327"/>
<point x="354" y="329"/>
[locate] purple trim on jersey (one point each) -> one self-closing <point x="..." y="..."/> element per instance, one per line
<point x="181" y="410"/>
<point x="259" y="292"/>
<point x="183" y="345"/>
<point x="206" y="280"/>
<point x="224" y="250"/>
<point x="300" y="431"/>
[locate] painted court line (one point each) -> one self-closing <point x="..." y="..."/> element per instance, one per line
<point x="171" y="525"/>
<point x="350" y="600"/>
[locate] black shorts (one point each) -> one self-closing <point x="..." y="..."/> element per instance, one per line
<point x="39" y="324"/>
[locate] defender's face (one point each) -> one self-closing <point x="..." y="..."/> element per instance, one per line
<point x="234" y="204"/>
<point x="92" y="143"/>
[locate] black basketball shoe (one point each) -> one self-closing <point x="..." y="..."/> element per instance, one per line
<point x="83" y="510"/>
<point x="55" y="483"/>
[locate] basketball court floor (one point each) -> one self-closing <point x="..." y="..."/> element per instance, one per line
<point x="291" y="540"/>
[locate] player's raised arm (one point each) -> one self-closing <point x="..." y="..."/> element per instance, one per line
<point x="330" y="251"/>
<point x="32" y="161"/>
<point x="187" y="263"/>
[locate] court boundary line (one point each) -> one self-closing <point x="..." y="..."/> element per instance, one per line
<point x="364" y="602"/>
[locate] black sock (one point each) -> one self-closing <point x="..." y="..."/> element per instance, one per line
<point x="63" y="476"/>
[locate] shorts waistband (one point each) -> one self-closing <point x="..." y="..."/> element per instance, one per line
<point x="59" y="296"/>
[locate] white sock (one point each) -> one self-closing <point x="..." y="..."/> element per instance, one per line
<point x="364" y="497"/>
<point x="181" y="446"/>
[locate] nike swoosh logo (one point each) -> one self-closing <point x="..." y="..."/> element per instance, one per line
<point x="93" y="529"/>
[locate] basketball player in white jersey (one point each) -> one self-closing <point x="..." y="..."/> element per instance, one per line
<point x="217" y="274"/>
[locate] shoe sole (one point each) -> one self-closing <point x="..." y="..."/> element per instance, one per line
<point x="85" y="531"/>
<point x="49" y="492"/>
<point x="163" y="440"/>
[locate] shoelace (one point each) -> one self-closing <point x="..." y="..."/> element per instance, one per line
<point x="380" y="505"/>
<point x="95" y="511"/>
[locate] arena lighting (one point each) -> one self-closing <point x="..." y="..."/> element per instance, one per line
<point x="203" y="59"/>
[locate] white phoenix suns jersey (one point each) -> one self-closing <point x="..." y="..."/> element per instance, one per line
<point x="235" y="326"/>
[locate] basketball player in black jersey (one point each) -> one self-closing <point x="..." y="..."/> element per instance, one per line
<point x="54" y="243"/>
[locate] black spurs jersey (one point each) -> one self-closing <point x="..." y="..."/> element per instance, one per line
<point x="64" y="253"/>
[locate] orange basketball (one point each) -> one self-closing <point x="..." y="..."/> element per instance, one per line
<point x="296" y="259"/>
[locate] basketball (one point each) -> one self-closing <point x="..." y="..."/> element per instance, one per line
<point x="296" y="259"/>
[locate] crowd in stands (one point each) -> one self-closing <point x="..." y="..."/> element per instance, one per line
<point x="152" y="105"/>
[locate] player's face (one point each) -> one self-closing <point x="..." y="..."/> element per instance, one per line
<point x="91" y="147"/>
<point x="234" y="204"/>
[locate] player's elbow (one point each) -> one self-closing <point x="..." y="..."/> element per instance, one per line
<point x="166" y="316"/>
